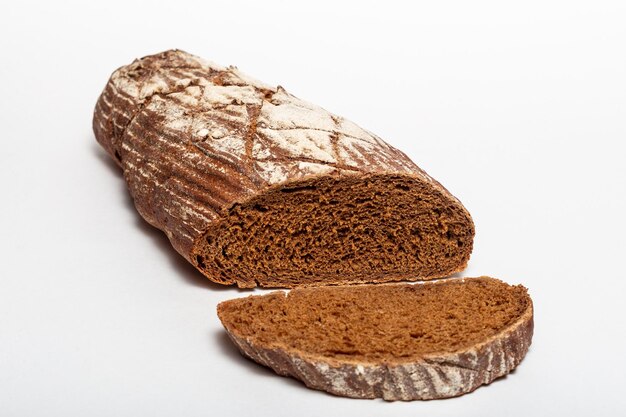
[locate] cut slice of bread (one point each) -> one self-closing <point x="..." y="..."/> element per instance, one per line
<point x="394" y="341"/>
<point x="255" y="186"/>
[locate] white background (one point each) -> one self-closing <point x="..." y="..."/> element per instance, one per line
<point x="519" y="108"/>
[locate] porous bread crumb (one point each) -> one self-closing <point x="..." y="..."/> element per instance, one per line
<point x="354" y="229"/>
<point x="378" y="323"/>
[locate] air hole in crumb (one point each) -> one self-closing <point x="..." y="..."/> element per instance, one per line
<point x="296" y="189"/>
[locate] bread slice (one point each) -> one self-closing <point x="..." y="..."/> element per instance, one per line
<point x="254" y="186"/>
<point x="395" y="341"/>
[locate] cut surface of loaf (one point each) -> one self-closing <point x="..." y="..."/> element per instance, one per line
<point x="254" y="186"/>
<point x="393" y="341"/>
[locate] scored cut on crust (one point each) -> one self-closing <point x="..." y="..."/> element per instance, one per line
<point x="393" y="341"/>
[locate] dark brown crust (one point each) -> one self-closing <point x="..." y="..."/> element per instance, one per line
<point x="184" y="178"/>
<point x="432" y="377"/>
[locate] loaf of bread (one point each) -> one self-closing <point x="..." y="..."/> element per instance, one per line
<point x="393" y="341"/>
<point x="254" y="186"/>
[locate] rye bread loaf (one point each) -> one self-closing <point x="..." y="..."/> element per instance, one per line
<point x="393" y="341"/>
<point x="254" y="186"/>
